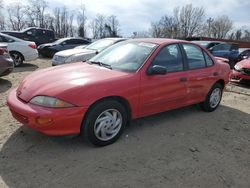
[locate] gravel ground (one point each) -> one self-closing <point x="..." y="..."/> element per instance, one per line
<point x="179" y="148"/>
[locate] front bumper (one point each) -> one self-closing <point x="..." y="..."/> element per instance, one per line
<point x="66" y="121"/>
<point x="239" y="76"/>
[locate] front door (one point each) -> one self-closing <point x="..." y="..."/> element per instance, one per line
<point x="163" y="92"/>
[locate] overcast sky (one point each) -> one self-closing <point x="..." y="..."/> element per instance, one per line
<point x="136" y="15"/>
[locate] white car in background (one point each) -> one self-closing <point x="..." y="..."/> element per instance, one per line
<point x="19" y="50"/>
<point x="84" y="53"/>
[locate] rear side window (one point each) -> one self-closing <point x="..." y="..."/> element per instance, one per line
<point x="209" y="60"/>
<point x="82" y="42"/>
<point x="195" y="56"/>
<point x="169" y="57"/>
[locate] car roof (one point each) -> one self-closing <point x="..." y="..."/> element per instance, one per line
<point x="159" y="41"/>
<point x="114" y="38"/>
<point x="206" y="41"/>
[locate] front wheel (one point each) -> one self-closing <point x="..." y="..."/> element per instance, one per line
<point x="213" y="98"/>
<point x="104" y="123"/>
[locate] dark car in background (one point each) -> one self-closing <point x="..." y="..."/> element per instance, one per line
<point x="6" y="63"/>
<point x="49" y="49"/>
<point x="207" y="44"/>
<point x="37" y="35"/>
<point x="244" y="53"/>
<point x="229" y="51"/>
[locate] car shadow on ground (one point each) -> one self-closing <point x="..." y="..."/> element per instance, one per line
<point x="25" y="68"/>
<point x="245" y="84"/>
<point x="184" y="147"/>
<point x="4" y="85"/>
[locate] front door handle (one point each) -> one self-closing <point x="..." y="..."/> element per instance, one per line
<point x="183" y="79"/>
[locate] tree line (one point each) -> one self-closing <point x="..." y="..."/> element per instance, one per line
<point x="185" y="21"/>
<point x="61" y="19"/>
<point x="188" y="21"/>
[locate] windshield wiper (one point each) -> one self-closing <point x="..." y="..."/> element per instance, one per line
<point x="100" y="64"/>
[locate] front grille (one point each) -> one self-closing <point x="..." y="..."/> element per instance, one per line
<point x="246" y="71"/>
<point x="19" y="117"/>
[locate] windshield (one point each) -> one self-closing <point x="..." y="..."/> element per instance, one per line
<point x="126" y="56"/>
<point x="100" y="44"/>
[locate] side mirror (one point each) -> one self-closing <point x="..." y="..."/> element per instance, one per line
<point x="157" y="70"/>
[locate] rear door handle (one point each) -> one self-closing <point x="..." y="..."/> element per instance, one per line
<point x="183" y="79"/>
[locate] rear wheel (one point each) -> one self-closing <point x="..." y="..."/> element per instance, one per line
<point x="213" y="98"/>
<point x="104" y="123"/>
<point x="17" y="58"/>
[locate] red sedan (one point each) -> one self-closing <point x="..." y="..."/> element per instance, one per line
<point x="132" y="79"/>
<point x="241" y="71"/>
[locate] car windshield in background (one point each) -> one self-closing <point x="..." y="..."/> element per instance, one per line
<point x="100" y="45"/>
<point x="126" y="56"/>
<point x="59" y="41"/>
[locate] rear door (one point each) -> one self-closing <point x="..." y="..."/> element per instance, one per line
<point x="201" y="74"/>
<point x="163" y="92"/>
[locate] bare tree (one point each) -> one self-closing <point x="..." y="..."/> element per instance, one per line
<point x="93" y="27"/>
<point x="156" y="30"/>
<point x="112" y="26"/>
<point x="49" y="21"/>
<point x="16" y="16"/>
<point x="100" y="26"/>
<point x="2" y="21"/>
<point x="81" y="20"/>
<point x="221" y="26"/>
<point x="189" y="20"/>
<point x="185" y="22"/>
<point x="35" y="11"/>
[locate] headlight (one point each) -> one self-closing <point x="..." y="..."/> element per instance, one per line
<point x="238" y="68"/>
<point x="50" y="102"/>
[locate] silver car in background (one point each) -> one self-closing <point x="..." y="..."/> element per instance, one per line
<point x="84" y="53"/>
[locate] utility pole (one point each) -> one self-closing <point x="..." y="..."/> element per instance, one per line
<point x="209" y="21"/>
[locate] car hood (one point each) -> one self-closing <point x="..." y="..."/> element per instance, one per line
<point x="65" y="81"/>
<point x="244" y="63"/>
<point x="67" y="53"/>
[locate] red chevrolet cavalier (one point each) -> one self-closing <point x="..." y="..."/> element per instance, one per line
<point x="132" y="79"/>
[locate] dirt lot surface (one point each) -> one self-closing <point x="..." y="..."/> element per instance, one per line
<point x="180" y="148"/>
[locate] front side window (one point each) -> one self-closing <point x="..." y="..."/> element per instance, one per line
<point x="125" y="56"/>
<point x="195" y="57"/>
<point x="222" y="47"/>
<point x="170" y="58"/>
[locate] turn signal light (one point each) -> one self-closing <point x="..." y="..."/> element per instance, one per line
<point x="44" y="120"/>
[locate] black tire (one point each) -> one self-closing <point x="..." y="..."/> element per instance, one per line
<point x="207" y="105"/>
<point x="17" y="58"/>
<point x="90" y="124"/>
<point x="51" y="54"/>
